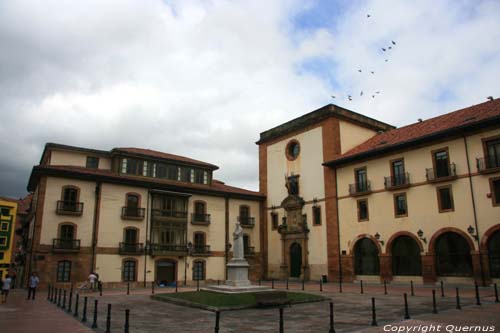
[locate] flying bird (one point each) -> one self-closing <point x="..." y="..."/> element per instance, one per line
<point x="372" y="72"/>
<point x="393" y="42"/>
<point x="368" y="15"/>
<point x="373" y="96"/>
<point x="383" y="49"/>
<point x="361" y="93"/>
<point x="349" y="97"/>
<point x="333" y="96"/>
<point x="359" y="70"/>
<point x="377" y="92"/>
<point x="390" y="47"/>
<point x="386" y="60"/>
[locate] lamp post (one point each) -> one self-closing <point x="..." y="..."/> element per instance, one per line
<point x="189" y="248"/>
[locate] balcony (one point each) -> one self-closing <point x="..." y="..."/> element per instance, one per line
<point x="69" y="208"/>
<point x="488" y="164"/>
<point x="360" y="188"/>
<point x="249" y="251"/>
<point x="441" y="174"/>
<point x="168" y="213"/>
<point x="132" y="213"/>
<point x="397" y="182"/>
<point x="65" y="245"/>
<point x="246" y="221"/>
<point x="131" y="248"/>
<point x="200" y="250"/>
<point x="167" y="249"/>
<point x="200" y="219"/>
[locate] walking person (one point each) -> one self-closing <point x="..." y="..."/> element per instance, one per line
<point x="92" y="280"/>
<point x="32" y="284"/>
<point x="6" y="287"/>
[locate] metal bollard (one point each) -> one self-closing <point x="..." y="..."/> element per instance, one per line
<point x="70" y="300"/>
<point x="282" y="329"/>
<point x="108" y="319"/>
<point x="496" y="293"/>
<point x="303" y="284"/>
<point x="217" y="318"/>
<point x="332" y="328"/>
<point x="320" y="285"/>
<point x="272" y="283"/>
<point x="361" y="286"/>
<point x="218" y="282"/>
<point x="76" y="305"/>
<point x="176" y="285"/>
<point x="59" y="298"/>
<point x="407" y="313"/>
<point x="153" y="287"/>
<point x="286" y="284"/>
<point x="478" y="300"/>
<point x="84" y="316"/>
<point x="64" y="300"/>
<point x="100" y="288"/>
<point x="434" y="308"/>
<point x="385" y="287"/>
<point x="458" y="300"/>
<point x="411" y="288"/>
<point x="54" y="296"/>
<point x="442" y="288"/>
<point x="127" y="314"/>
<point x="128" y="288"/>
<point x="340" y="284"/>
<point x="94" y="322"/>
<point x="48" y="292"/>
<point x="374" y="315"/>
<point x="197" y="284"/>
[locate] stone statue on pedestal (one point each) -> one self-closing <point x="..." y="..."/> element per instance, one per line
<point x="238" y="251"/>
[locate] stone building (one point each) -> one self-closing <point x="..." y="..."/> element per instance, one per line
<point x="135" y="215"/>
<point x="349" y="197"/>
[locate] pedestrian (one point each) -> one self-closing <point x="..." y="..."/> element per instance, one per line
<point x="13" y="276"/>
<point x="6" y="287"/>
<point x="92" y="280"/>
<point x="32" y="284"/>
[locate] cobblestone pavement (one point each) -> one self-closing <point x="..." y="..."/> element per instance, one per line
<point x="352" y="310"/>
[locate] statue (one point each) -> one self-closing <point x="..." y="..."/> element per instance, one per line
<point x="238" y="251"/>
<point x="292" y="185"/>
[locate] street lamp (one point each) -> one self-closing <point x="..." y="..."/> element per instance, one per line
<point x="189" y="248"/>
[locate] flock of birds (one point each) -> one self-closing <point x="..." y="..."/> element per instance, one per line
<point x="383" y="49"/>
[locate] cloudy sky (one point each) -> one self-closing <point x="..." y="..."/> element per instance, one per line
<point x="204" y="78"/>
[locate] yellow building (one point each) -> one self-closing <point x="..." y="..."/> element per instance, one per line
<point x="135" y="215"/>
<point x="8" y="212"/>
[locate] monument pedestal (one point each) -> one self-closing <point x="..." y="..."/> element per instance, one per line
<point x="237" y="273"/>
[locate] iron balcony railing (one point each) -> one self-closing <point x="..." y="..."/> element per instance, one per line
<point x="360" y="188"/>
<point x="200" y="249"/>
<point x="131" y="248"/>
<point x="397" y="181"/>
<point x="439" y="174"/>
<point x="200" y="218"/>
<point x="249" y="250"/>
<point x="488" y="163"/>
<point x="246" y="221"/>
<point x="61" y="244"/>
<point x="169" y="213"/>
<point x="133" y="213"/>
<point x="158" y="249"/>
<point x="69" y="207"/>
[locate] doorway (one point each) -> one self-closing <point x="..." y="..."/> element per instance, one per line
<point x="295" y="260"/>
<point x="165" y="271"/>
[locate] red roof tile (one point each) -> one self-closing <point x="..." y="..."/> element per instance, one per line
<point x="457" y="119"/>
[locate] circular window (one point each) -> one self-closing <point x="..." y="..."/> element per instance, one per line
<point x="292" y="150"/>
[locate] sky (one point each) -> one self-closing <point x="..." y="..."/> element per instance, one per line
<point x="203" y="78"/>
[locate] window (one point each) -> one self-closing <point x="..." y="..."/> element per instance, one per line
<point x="246" y="243"/>
<point x="274" y="221"/>
<point x="493" y="153"/>
<point x="63" y="271"/>
<point x="199" y="240"/>
<point x="4" y="226"/>
<point x="5" y="211"/>
<point x="316" y="215"/>
<point x="3" y="241"/>
<point x="445" y="199"/>
<point x="133" y="166"/>
<point x="292" y="150"/>
<point x="363" y="210"/>
<point x="398" y="172"/>
<point x="361" y="180"/>
<point x="199" y="208"/>
<point x="198" y="270"/>
<point x="130" y="236"/>
<point x="70" y="196"/>
<point x="129" y="270"/>
<point x="400" y="205"/>
<point x="199" y="176"/>
<point x="441" y="163"/>
<point x="495" y="191"/>
<point x="92" y="162"/>
<point x="244" y="212"/>
<point x="185" y="174"/>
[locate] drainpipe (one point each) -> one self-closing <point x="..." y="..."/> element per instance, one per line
<point x="338" y="224"/>
<point x="474" y="211"/>
<point x="97" y="203"/>
<point x="226" y="238"/>
<point x="146" y="239"/>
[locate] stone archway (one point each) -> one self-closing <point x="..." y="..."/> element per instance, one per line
<point x="366" y="257"/>
<point x="295" y="260"/>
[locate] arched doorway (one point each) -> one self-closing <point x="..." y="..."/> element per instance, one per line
<point x="453" y="255"/>
<point x="295" y="260"/>
<point x="165" y="271"/>
<point x="494" y="254"/>
<point x="366" y="260"/>
<point x="406" y="258"/>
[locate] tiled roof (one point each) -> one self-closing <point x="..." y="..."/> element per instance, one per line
<point x="461" y="119"/>
<point x="158" y="154"/>
<point x="215" y="187"/>
<point x="23" y="204"/>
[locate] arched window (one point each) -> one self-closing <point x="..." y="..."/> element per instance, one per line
<point x="67" y="236"/>
<point x="244" y="218"/>
<point x="70" y="200"/>
<point x="198" y="270"/>
<point x="129" y="270"/>
<point x="132" y="205"/>
<point x="200" y="212"/>
<point x="494" y="254"/>
<point x="244" y="211"/>
<point x="199" y="243"/>
<point x="63" y="273"/>
<point x="406" y="256"/>
<point x="453" y="255"/>
<point x="366" y="260"/>
<point x="130" y="236"/>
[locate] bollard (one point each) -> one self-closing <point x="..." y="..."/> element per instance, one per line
<point x="286" y="284"/>
<point x="332" y="329"/>
<point x="496" y="293"/>
<point x="108" y="319"/>
<point x="218" y="282"/>
<point x="71" y="289"/>
<point x="59" y="298"/>
<point x="407" y="313"/>
<point x="84" y="316"/>
<point x="434" y="308"/>
<point x="64" y="300"/>
<point x="76" y="305"/>
<point x="303" y="284"/>
<point x="458" y="300"/>
<point x="153" y="287"/>
<point x="54" y="296"/>
<point x="272" y="283"/>
<point x="197" y="284"/>
<point x="411" y="288"/>
<point x="340" y="284"/>
<point x="478" y="300"/>
<point x="127" y="314"/>
<point x="128" y="288"/>
<point x="442" y="288"/>
<point x="48" y="293"/>
<point x="374" y="315"/>
<point x="94" y="322"/>
<point x="217" y="318"/>
<point x="361" y="286"/>
<point x="320" y="285"/>
<point x="282" y="329"/>
<point x="70" y="300"/>
<point x="100" y="288"/>
<point x="385" y="287"/>
<point x="176" y="286"/>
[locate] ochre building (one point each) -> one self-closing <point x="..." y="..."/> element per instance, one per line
<point x="135" y="215"/>
<point x="8" y="213"/>
<point x="349" y="197"/>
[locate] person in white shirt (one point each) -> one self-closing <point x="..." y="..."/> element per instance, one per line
<point x="6" y="287"/>
<point x="92" y="280"/>
<point x="32" y="284"/>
